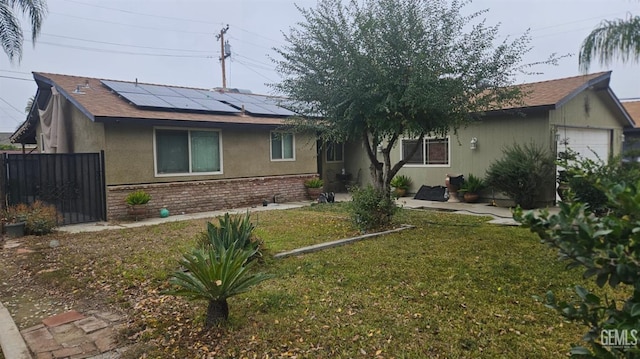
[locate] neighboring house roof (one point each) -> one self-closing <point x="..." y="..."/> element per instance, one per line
<point x="633" y="108"/>
<point x="5" y="138"/>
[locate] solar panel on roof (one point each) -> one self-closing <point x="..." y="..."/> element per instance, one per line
<point x="159" y="90"/>
<point x="257" y="109"/>
<point x="183" y="103"/>
<point x="276" y="110"/>
<point x="145" y="100"/>
<point x="215" y="105"/>
<point x="191" y="93"/>
<point x="246" y="98"/>
<point x="127" y="87"/>
<point x="180" y="98"/>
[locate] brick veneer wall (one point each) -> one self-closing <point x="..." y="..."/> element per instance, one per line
<point x="203" y="196"/>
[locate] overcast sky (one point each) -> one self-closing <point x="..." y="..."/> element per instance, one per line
<point x="174" y="43"/>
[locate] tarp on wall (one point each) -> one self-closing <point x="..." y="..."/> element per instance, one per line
<point x="54" y="135"/>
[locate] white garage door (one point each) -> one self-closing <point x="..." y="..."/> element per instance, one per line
<point x="587" y="142"/>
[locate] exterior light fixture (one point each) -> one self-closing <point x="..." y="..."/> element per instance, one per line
<point x="474" y="143"/>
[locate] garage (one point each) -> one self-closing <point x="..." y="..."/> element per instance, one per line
<point x="591" y="143"/>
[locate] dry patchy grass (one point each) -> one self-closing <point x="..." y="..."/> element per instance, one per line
<point x="454" y="286"/>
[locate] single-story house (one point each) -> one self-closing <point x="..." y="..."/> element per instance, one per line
<point x="581" y="113"/>
<point x="193" y="150"/>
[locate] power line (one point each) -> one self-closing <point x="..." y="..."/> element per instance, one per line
<point x="124" y="45"/>
<point x="16" y="72"/>
<point x="132" y="25"/>
<point x="251" y="43"/>
<point x="15" y="78"/>
<point x="138" y="13"/>
<point x="10" y="115"/>
<point x="40" y="42"/>
<point x="169" y="18"/>
<point x="10" y="105"/>
<point x="248" y="67"/>
<point x="600" y="17"/>
<point x="267" y="66"/>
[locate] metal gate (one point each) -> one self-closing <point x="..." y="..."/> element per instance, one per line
<point x="73" y="182"/>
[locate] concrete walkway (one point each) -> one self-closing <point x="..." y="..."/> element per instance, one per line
<point x="92" y="335"/>
<point x="501" y="215"/>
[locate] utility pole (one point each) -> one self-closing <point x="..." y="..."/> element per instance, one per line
<point x="224" y="54"/>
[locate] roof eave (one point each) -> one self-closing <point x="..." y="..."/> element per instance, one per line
<point x="620" y="107"/>
<point x="42" y="79"/>
<point x="593" y="83"/>
<point x="183" y="123"/>
<point x="510" y="111"/>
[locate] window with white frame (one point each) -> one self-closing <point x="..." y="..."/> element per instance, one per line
<point x="432" y="152"/>
<point x="335" y="152"/>
<point x="180" y="152"/>
<point x="282" y="146"/>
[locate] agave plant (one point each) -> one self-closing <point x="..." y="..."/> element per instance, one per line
<point x="231" y="230"/>
<point x="215" y="274"/>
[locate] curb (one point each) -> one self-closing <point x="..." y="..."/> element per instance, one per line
<point x="12" y="343"/>
<point x="340" y="242"/>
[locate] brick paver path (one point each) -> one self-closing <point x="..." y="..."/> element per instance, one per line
<point x="74" y="335"/>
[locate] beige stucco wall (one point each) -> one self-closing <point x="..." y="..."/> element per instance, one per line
<point x="83" y="135"/>
<point x="355" y="163"/>
<point x="86" y="136"/>
<point x="493" y="135"/>
<point x="129" y="155"/>
<point x="591" y="109"/>
<point x="129" y="152"/>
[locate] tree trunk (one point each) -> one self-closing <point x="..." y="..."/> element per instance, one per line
<point x="217" y="312"/>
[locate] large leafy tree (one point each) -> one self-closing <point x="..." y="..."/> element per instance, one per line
<point x="615" y="39"/>
<point x="377" y="70"/>
<point x="11" y="35"/>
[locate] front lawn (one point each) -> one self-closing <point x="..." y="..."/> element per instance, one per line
<point x="454" y="286"/>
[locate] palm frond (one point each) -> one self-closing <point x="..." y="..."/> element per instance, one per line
<point x="613" y="40"/>
<point x="10" y="32"/>
<point x="215" y="273"/>
<point x="11" y="36"/>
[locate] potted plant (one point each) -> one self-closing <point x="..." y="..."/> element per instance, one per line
<point x="137" y="203"/>
<point x="400" y="185"/>
<point x="314" y="187"/>
<point x="471" y="188"/>
<point x="14" y="219"/>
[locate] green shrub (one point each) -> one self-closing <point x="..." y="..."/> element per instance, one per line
<point x="585" y="178"/>
<point x="522" y="172"/>
<point x="314" y="183"/>
<point x="215" y="274"/>
<point x="231" y="231"/>
<point x="401" y="182"/>
<point x="42" y="218"/>
<point x="370" y="208"/>
<point x="137" y="198"/>
<point x="606" y="248"/>
<point x="472" y="184"/>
